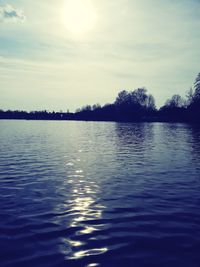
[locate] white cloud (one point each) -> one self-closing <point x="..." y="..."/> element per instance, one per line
<point x="135" y="43"/>
<point x="10" y="14"/>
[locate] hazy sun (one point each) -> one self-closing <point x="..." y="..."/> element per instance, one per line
<point x="79" y="16"/>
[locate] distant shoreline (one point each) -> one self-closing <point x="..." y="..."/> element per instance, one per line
<point x="129" y="106"/>
<point x="104" y="120"/>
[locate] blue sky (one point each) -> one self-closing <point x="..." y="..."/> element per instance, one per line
<point x="44" y="64"/>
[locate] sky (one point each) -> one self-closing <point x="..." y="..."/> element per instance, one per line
<point x="64" y="54"/>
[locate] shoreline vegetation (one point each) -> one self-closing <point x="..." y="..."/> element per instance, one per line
<point x="129" y="106"/>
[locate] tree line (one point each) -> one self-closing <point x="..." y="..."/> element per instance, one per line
<point x="134" y="105"/>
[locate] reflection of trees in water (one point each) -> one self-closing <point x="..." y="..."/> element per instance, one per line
<point x="134" y="137"/>
<point x="184" y="135"/>
<point x="181" y="143"/>
<point x="194" y="141"/>
<point x="134" y="146"/>
<point x="173" y="133"/>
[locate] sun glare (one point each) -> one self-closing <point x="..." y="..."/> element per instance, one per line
<point x="79" y="16"/>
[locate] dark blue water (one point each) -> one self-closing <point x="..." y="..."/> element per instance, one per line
<point x="99" y="194"/>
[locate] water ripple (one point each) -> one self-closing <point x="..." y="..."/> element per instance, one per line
<point x="99" y="194"/>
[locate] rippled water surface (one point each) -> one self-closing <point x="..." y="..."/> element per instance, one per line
<point x="99" y="194"/>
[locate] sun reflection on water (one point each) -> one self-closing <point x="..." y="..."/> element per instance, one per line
<point x="90" y="252"/>
<point x="83" y="208"/>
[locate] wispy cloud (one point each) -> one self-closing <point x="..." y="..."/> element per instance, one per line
<point x="135" y="43"/>
<point x="10" y="14"/>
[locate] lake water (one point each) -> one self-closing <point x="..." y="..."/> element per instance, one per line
<point x="99" y="194"/>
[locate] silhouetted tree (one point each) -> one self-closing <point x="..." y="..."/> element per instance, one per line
<point x="151" y="103"/>
<point x="96" y="107"/>
<point x="86" y="108"/>
<point x="173" y="110"/>
<point x="175" y="102"/>
<point x="139" y="97"/>
<point x="193" y="110"/>
<point x="122" y="98"/>
<point x="136" y="105"/>
<point x="189" y="97"/>
<point x="197" y="88"/>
